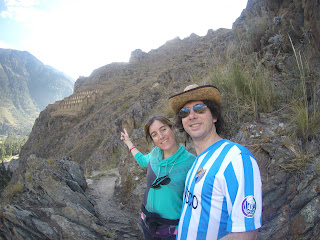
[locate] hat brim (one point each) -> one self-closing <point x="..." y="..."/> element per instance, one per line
<point x="207" y="92"/>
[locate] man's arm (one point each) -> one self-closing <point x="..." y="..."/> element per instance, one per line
<point x="250" y="235"/>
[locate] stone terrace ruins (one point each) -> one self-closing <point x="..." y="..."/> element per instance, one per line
<point x="76" y="103"/>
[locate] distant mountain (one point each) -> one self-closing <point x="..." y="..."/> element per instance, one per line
<point x="27" y="86"/>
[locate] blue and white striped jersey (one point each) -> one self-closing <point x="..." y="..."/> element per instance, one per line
<point x="223" y="193"/>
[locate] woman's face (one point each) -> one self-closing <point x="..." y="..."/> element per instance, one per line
<point x="162" y="135"/>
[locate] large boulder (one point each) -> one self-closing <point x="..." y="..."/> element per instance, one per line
<point x="45" y="200"/>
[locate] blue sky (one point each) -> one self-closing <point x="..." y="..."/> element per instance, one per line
<point x="78" y="36"/>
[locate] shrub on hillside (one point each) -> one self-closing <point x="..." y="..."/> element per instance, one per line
<point x="5" y="176"/>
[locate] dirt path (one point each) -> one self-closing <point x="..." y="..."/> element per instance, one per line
<point x="100" y="192"/>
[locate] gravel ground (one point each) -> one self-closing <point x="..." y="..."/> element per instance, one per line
<point x="100" y="191"/>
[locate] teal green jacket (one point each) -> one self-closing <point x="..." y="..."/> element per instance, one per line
<point x="167" y="200"/>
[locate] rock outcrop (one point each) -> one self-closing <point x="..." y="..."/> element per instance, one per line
<point x="289" y="200"/>
<point x="47" y="201"/>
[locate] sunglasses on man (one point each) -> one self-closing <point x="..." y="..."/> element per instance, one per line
<point x="197" y="108"/>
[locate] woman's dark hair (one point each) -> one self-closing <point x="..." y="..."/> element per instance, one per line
<point x="216" y="111"/>
<point x="162" y="119"/>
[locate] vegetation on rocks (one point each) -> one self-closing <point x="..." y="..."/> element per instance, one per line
<point x="11" y="146"/>
<point x="5" y="176"/>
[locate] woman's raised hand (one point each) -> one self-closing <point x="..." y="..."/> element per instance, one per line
<point x="125" y="138"/>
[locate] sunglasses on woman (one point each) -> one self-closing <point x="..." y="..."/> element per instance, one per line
<point x="197" y="108"/>
<point x="165" y="180"/>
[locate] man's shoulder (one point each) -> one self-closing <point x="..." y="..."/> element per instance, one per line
<point x="242" y="149"/>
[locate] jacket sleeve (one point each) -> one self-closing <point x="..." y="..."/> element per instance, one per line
<point x="142" y="160"/>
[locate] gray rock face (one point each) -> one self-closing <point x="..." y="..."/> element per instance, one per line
<point x="290" y="201"/>
<point x="46" y="200"/>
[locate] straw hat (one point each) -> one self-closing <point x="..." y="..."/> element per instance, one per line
<point x="194" y="93"/>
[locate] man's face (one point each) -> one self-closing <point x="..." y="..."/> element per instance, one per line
<point x="200" y="126"/>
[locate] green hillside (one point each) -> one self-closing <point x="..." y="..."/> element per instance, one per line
<point x="27" y="87"/>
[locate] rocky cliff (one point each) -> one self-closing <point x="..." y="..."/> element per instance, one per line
<point x="27" y="87"/>
<point x="48" y="202"/>
<point x="267" y="68"/>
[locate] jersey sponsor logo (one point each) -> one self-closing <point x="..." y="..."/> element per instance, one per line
<point x="249" y="206"/>
<point x="191" y="199"/>
<point x="200" y="174"/>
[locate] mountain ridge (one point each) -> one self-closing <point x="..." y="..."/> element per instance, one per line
<point x="27" y="87"/>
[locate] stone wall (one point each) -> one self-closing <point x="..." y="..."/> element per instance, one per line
<point x="76" y="103"/>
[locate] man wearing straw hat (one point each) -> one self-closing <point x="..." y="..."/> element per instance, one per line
<point x="223" y="191"/>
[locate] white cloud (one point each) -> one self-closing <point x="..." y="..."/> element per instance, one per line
<point x="22" y="10"/>
<point x="5" y="45"/>
<point x="78" y="36"/>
